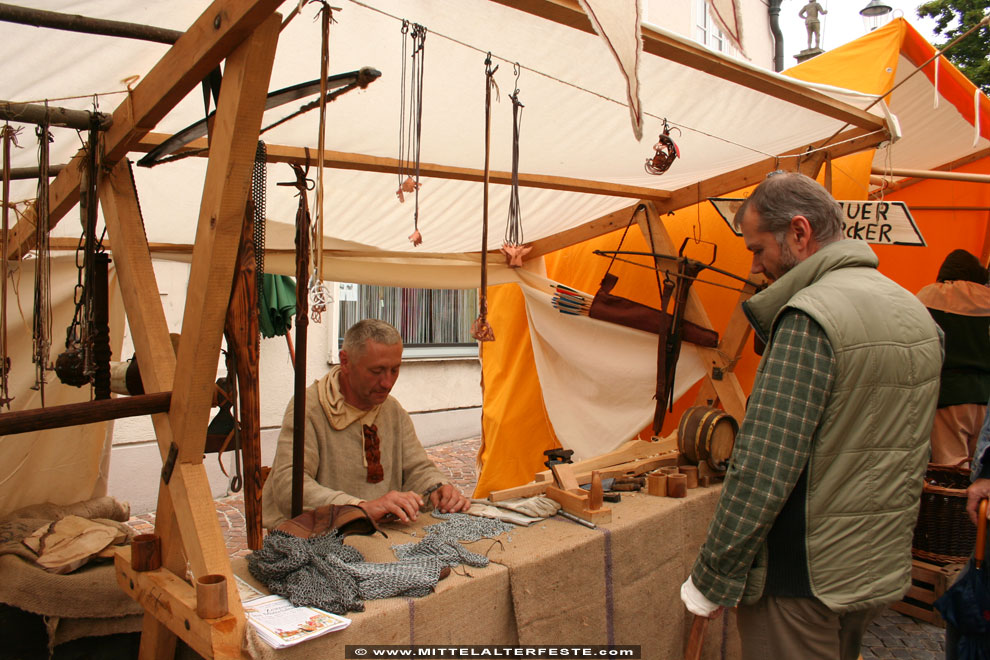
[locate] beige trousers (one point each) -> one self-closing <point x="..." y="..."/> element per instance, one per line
<point x="800" y="628"/>
<point x="955" y="432"/>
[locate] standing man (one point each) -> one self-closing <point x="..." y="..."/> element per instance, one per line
<point x="360" y="446"/>
<point x="811" y="23"/>
<point x="812" y="534"/>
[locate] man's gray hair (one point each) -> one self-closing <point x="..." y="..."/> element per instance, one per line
<point x="784" y="195"/>
<point x="375" y="330"/>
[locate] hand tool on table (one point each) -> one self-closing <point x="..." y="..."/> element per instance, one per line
<point x="557" y="456"/>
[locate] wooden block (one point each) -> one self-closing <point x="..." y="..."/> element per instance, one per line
<point x="526" y="490"/>
<point x="173" y="602"/>
<point x="576" y="503"/>
<point x="656" y="484"/>
<point x="564" y="476"/>
<point x="691" y="472"/>
<point x="705" y="481"/>
<point x="677" y="485"/>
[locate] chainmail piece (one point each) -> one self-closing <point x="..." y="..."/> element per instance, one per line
<point x="443" y="540"/>
<point x="323" y="572"/>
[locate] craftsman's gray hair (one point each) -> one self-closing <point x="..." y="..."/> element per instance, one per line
<point x="783" y="195"/>
<point x="358" y="335"/>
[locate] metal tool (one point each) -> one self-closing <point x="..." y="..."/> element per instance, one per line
<point x="580" y="521"/>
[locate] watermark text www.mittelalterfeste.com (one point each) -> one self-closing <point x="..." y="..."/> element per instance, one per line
<point x="359" y="652"/>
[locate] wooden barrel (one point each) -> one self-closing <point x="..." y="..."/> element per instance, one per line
<point x="707" y="434"/>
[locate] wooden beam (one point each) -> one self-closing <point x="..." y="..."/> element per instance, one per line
<point x="968" y="177"/>
<point x="172" y="600"/>
<point x="343" y="160"/>
<point x="946" y="167"/>
<point x="156" y="360"/>
<point x="88" y="412"/>
<point x="36" y="113"/>
<point x="86" y="24"/>
<point x="693" y="55"/>
<point x="197" y="52"/>
<point x="851" y="142"/>
<point x="225" y="193"/>
<point x="597" y="227"/>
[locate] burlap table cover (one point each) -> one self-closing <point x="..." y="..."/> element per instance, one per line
<point x="555" y="582"/>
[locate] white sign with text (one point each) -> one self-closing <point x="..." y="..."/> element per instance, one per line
<point x="878" y="222"/>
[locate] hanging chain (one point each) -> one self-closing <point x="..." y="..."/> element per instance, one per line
<point x="259" y="193"/>
<point x="410" y="135"/>
<point x="513" y="224"/>
<point x="42" y="320"/>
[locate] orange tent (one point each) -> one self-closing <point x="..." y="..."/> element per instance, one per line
<point x="949" y="214"/>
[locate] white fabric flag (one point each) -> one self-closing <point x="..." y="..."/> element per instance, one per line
<point x="617" y="22"/>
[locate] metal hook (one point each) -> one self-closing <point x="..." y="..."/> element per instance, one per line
<point x="517" y="70"/>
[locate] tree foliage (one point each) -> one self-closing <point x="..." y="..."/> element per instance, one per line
<point x="953" y="18"/>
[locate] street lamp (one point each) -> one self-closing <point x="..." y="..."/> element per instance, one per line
<point x="875" y="14"/>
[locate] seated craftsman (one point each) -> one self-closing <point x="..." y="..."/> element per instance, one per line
<point x="360" y="445"/>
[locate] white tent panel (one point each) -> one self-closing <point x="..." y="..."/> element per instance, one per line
<point x="575" y="122"/>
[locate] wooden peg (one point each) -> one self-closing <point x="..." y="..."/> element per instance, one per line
<point x="677" y="485"/>
<point x="691" y="472"/>
<point x="656" y="484"/>
<point x="146" y="552"/>
<point x="211" y="596"/>
<point x="595" y="499"/>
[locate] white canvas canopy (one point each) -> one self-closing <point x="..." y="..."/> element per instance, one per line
<point x="575" y="125"/>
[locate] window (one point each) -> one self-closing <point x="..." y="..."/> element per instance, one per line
<point x="707" y="32"/>
<point x="432" y="322"/>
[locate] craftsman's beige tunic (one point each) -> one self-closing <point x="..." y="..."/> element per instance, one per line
<point x="335" y="471"/>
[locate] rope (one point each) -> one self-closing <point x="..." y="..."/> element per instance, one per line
<point x="318" y="294"/>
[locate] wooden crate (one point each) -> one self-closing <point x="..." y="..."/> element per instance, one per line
<point x="928" y="582"/>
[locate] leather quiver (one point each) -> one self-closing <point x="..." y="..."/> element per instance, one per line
<point x="608" y="307"/>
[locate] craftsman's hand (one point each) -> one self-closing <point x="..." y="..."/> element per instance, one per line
<point x="404" y="506"/>
<point x="977" y="491"/>
<point x="696" y="602"/>
<point x="447" y="499"/>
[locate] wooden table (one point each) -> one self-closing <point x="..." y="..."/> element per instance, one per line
<point x="555" y="583"/>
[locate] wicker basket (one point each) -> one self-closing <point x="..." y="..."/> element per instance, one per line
<point x="944" y="533"/>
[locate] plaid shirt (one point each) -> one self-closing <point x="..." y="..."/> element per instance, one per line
<point x="771" y="451"/>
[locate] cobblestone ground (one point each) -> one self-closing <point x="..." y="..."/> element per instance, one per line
<point x="891" y="635"/>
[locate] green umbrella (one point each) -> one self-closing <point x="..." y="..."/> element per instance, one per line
<point x="276" y="305"/>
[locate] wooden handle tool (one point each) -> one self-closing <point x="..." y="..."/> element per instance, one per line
<point x="698" y="626"/>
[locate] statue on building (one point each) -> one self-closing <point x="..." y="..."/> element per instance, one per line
<point x="810" y="15"/>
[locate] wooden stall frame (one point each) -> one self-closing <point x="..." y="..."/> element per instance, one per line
<point x="245" y="33"/>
